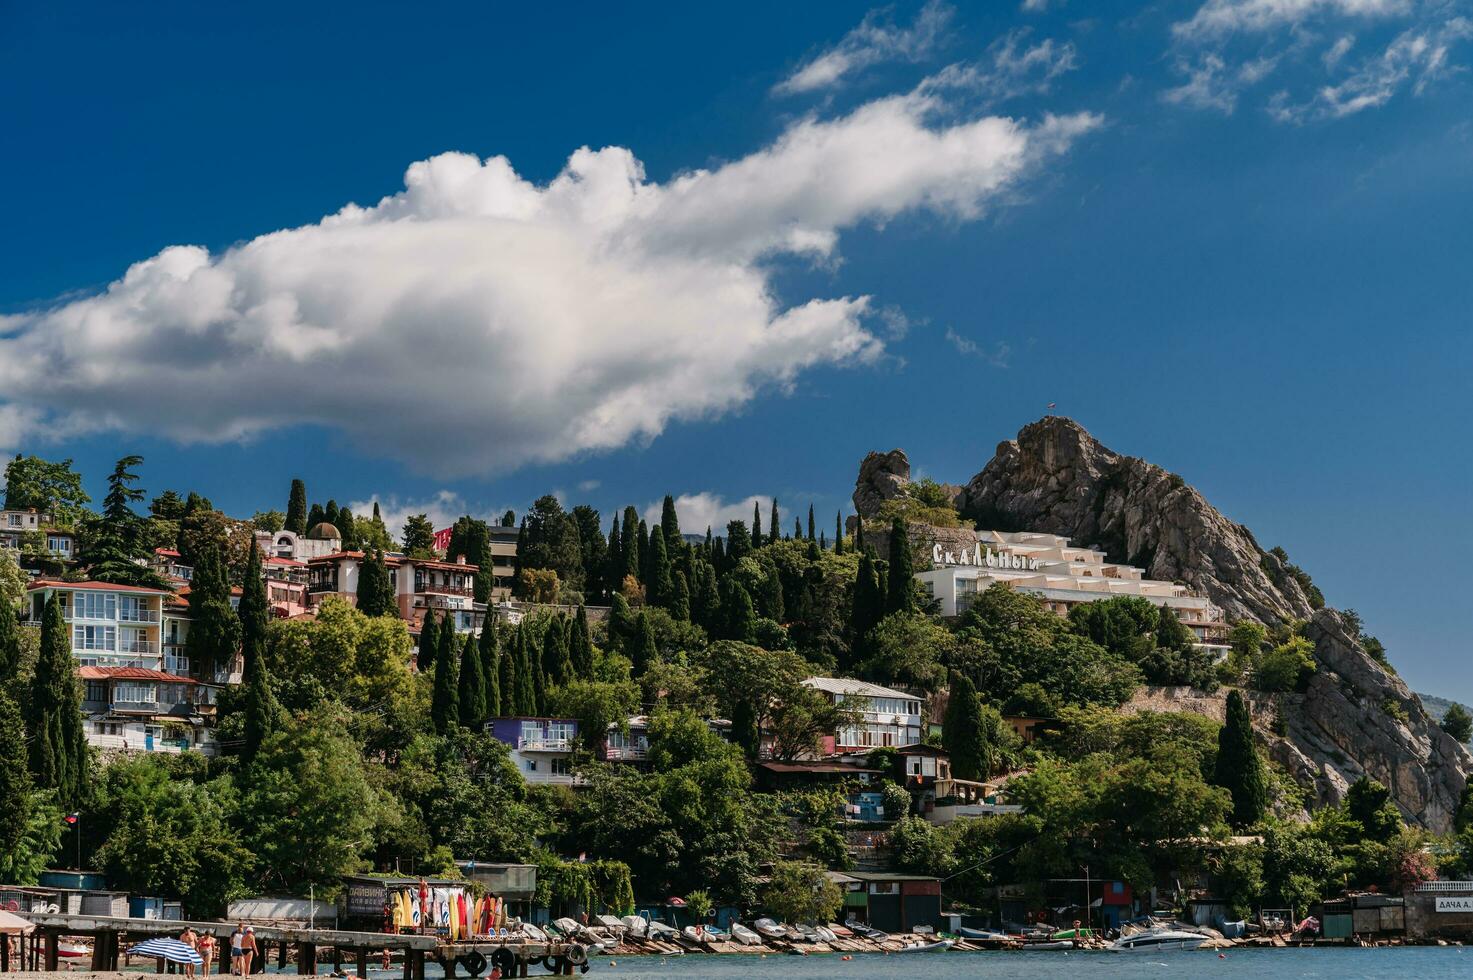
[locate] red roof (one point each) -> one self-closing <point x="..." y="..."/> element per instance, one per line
<point x="166" y="552"/>
<point x="131" y="674"/>
<point x="49" y="583"/>
<point x="284" y="561"/>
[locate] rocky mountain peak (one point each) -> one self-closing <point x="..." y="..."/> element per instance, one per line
<point x="882" y="477"/>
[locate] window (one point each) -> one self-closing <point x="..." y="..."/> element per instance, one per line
<point x="94" y="637"/>
<point x="58" y="545"/>
<point x="96" y="691"/>
<point x="531" y="765"/>
<point x="94" y="605"/>
<point x="562" y="766"/>
<point x="15" y="520"/>
<point x="134" y="692"/>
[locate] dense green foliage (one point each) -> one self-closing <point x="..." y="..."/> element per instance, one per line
<point x="1239" y="768"/>
<point x="59" y="755"/>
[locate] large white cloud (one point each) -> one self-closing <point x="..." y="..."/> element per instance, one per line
<point x="475" y="321"/>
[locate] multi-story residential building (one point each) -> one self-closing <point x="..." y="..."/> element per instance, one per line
<point x="286" y="586"/>
<point x="1063" y="576"/>
<point x="503" y="561"/>
<point x="542" y="748"/>
<point x="321" y="539"/>
<point x="137" y="709"/>
<point x="630" y="742"/>
<point x="168" y="563"/>
<point x="420" y="584"/>
<point x="886" y="717"/>
<point x="111" y="625"/>
<point x="57" y="543"/>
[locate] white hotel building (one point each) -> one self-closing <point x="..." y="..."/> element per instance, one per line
<point x="1063" y="576"/>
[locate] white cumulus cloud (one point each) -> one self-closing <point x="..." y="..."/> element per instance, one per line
<point x="475" y="321"/>
<point x="874" y="41"/>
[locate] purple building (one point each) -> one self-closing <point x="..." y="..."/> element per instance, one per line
<point x="542" y="748"/>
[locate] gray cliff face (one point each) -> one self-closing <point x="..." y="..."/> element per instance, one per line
<point x="1056" y="477"/>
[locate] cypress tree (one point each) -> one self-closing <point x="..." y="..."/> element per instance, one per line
<point x="670" y="524"/>
<point x="1171" y="633"/>
<point x="859" y="534"/>
<point x="718" y="553"/>
<point x="962" y="731"/>
<point x="774" y="524"/>
<point x="471" y="687"/>
<point x="680" y="602"/>
<point x="629" y="544"/>
<point x="580" y="646"/>
<point x="642" y="542"/>
<point x="823" y="541"/>
<point x="614" y="560"/>
<point x="375" y="590"/>
<point x="526" y="682"/>
<point x="868" y="606"/>
<point x="757" y="539"/>
<point x="214" y="628"/>
<point x="710" y="545"/>
<point x="556" y="666"/>
<point x="706" y="600"/>
<point x="658" y="586"/>
<point x="744" y="729"/>
<point x="490" y="651"/>
<point x="58" y="745"/>
<point x="315" y="516"/>
<point x="9" y="643"/>
<point x="812" y="535"/>
<point x="347" y="524"/>
<point x="901" y="597"/>
<point x="797" y="529"/>
<point x="15" y="776"/>
<point x="736" y="606"/>
<point x="738" y="542"/>
<point x="645" y="654"/>
<point x="429" y="642"/>
<point x="445" y="700"/>
<point x="263" y="714"/>
<point x="838" y="533"/>
<point x="539" y="678"/>
<point x="330" y="515"/>
<point x="508" y="672"/>
<point x="1240" y="769"/>
<point x="296" y="508"/>
<point x="772" y="595"/>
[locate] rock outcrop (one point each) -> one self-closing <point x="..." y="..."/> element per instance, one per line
<point x="882" y="477"/>
<point x="1056" y="477"/>
<point x="1355" y="717"/>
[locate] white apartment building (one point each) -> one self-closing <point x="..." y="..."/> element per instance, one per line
<point x="14" y="523"/>
<point x="111" y="625"/>
<point x="889" y="717"/>
<point x="1063" y="576"/>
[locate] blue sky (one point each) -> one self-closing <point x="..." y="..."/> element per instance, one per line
<point x="1230" y="236"/>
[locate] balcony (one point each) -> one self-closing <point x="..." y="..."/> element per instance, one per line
<point x="422" y="588"/>
<point x="137" y="616"/>
<point x="543" y="743"/>
<point x="136" y="707"/>
<point x="626" y="753"/>
<point x="328" y="586"/>
<point x="137" y="646"/>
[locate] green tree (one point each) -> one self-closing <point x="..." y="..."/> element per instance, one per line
<point x="552" y="541"/>
<point x="557" y="668"/>
<point x="758" y="539"/>
<point x="596" y="704"/>
<point x="312" y="807"/>
<point x="670" y="524"/>
<point x="263" y="714"/>
<point x="445" y="704"/>
<point x="659" y="588"/>
<point x="296" y="508"/>
<point x="838" y="533"/>
<point x="166" y="834"/>
<point x="962" y="732"/>
<point x="1457" y="722"/>
<point x="901" y="596"/>
<point x="54" y="713"/>
<point x="490" y="653"/>
<point x="643" y="653"/>
<point x="527" y="683"/>
<point x="799" y="721"/>
<point x="736" y="606"/>
<point x="1369" y="804"/>
<point x="1240" y="769"/>
<point x="508" y="675"/>
<point x="471" y="695"/>
<point x="907" y="649"/>
<point x="40" y="841"/>
<point x="868" y="605"/>
<point x="114" y="547"/>
<point x="419" y="536"/>
<point x="811" y="535"/>
<point x="51" y="488"/>
<point x="16" y="787"/>
<point x="1288" y="667"/>
<point x="375" y="588"/>
<point x="9" y="637"/>
<point x="580" y="645"/>
<point x="214" y="628"/>
<point x="799" y="892"/>
<point x="429" y="641"/>
<point x="629" y="545"/>
<point x="774" y="525"/>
